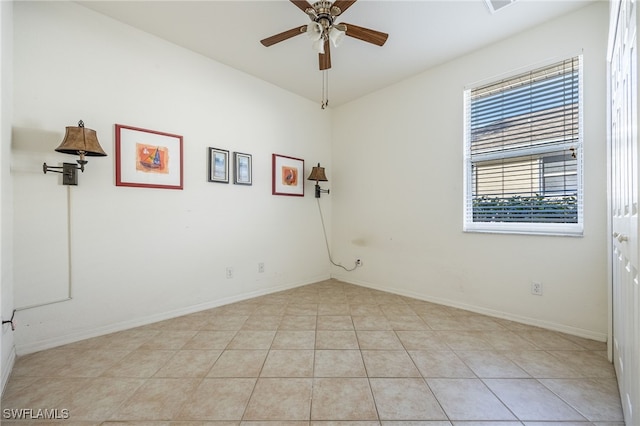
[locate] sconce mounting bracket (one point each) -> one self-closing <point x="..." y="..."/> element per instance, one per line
<point x="320" y="190"/>
<point x="69" y="174"/>
<point x="68" y="171"/>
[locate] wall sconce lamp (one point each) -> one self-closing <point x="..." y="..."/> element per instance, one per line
<point x="317" y="174"/>
<point x="77" y="141"/>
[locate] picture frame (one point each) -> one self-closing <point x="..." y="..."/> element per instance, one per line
<point x="148" y="158"/>
<point x="287" y="176"/>
<point x="242" y="169"/>
<point x="218" y="165"/>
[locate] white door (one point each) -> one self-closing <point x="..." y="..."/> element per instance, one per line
<point x="624" y="205"/>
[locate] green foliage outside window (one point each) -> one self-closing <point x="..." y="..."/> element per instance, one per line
<point x="537" y="208"/>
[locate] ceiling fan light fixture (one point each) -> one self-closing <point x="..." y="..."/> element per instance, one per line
<point x="314" y="31"/>
<point x="318" y="45"/>
<point x="337" y="34"/>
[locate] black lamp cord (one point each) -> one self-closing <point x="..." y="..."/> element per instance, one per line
<point x="13" y="324"/>
<point x="324" y="230"/>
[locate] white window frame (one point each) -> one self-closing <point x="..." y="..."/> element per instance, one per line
<point x="528" y="228"/>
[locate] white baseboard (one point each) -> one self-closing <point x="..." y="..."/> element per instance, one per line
<point x="24" y="349"/>
<point x="6" y="369"/>
<point x="574" y="331"/>
<point x="125" y="325"/>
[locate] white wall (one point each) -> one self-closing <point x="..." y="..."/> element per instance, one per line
<point x="7" y="353"/>
<point x="398" y="191"/>
<point x="139" y="255"/>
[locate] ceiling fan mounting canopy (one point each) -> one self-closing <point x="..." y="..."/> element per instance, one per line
<point x="323" y="28"/>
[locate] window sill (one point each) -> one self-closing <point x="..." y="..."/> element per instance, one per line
<point x="560" y="230"/>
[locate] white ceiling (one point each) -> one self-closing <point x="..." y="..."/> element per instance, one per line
<point x="422" y="33"/>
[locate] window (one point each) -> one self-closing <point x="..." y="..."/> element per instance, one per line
<point x="523" y="152"/>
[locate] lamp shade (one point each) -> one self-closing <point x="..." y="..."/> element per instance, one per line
<point x="317" y="174"/>
<point x="336" y="34"/>
<point x="314" y="31"/>
<point x="80" y="140"/>
<point x="318" y="46"/>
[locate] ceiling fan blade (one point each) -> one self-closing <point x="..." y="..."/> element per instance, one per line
<point x="325" y="58"/>
<point x="365" y="34"/>
<point x="343" y="5"/>
<point x="270" y="41"/>
<point x="303" y="5"/>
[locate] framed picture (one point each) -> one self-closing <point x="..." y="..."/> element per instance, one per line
<point x="242" y="168"/>
<point x="288" y="176"/>
<point x="147" y="158"/>
<point x="218" y="165"/>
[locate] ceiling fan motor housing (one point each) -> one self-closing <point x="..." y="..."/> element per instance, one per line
<point x="324" y="13"/>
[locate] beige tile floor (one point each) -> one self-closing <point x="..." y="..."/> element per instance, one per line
<point x="329" y="353"/>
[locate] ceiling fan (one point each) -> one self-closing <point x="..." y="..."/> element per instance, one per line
<point x="323" y="29"/>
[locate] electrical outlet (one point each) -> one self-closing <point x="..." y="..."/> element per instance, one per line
<point x="229" y="272"/>
<point x="260" y="267"/>
<point x="358" y="262"/>
<point x="536" y="288"/>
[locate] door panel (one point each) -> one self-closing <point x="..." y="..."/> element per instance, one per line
<point x="624" y="206"/>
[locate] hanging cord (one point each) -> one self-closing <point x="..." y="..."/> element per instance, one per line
<point x="324" y="230"/>
<point x="11" y="321"/>
<point x="325" y="89"/>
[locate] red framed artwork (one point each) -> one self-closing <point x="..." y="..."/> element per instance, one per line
<point x="287" y="175"/>
<point x="147" y="158"/>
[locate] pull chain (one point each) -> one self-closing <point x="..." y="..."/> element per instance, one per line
<point x="325" y="89"/>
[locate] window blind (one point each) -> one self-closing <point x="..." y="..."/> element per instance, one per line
<point x="523" y="148"/>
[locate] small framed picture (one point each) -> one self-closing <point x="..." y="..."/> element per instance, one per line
<point x="288" y="176"/>
<point x="241" y="168"/>
<point x="218" y="165"/>
<point x="148" y="158"/>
